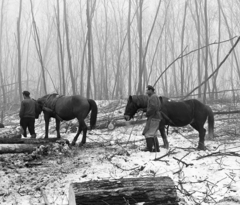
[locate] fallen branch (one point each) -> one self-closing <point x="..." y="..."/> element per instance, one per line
<point x="183" y="162"/>
<point x="215" y="154"/>
<point x="167" y="154"/>
<point x="181" y="56"/>
<point x="215" y="71"/>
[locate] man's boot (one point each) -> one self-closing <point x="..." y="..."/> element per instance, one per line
<point x="149" y="145"/>
<point x="156" y="144"/>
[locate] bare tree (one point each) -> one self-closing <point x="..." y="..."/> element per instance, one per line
<point x="68" y="49"/>
<point x="214" y="89"/>
<point x="230" y="36"/>
<point x="89" y="34"/>
<point x="60" y="50"/>
<point x="129" y="48"/>
<point x="182" y="69"/>
<point x="19" y="51"/>
<point x="38" y="48"/>
<point x="140" y="50"/>
<point x="1" y="62"/>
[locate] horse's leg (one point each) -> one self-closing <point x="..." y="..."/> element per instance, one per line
<point x="163" y="134"/>
<point x="76" y="136"/>
<point x="202" y="132"/>
<point x="58" y="128"/>
<point x="84" y="129"/>
<point x="82" y="126"/>
<point x="46" y="119"/>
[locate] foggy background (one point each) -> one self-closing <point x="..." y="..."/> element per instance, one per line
<point x="108" y="49"/>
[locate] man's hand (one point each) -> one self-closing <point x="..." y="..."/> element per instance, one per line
<point x="140" y="114"/>
<point x="142" y="110"/>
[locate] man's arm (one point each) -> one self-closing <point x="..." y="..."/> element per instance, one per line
<point x="21" y="112"/>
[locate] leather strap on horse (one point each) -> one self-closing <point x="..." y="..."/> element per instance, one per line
<point x="49" y="105"/>
<point x="166" y="117"/>
<point x="54" y="113"/>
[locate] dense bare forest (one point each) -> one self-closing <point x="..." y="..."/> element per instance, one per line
<point x="108" y="49"/>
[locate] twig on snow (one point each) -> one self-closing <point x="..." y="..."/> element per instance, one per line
<point x="167" y="154"/>
<point x="179" y="160"/>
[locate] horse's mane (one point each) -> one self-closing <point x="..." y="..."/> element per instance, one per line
<point x="49" y="100"/>
<point x="52" y="95"/>
<point x="140" y="100"/>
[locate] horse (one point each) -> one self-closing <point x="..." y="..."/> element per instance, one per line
<point x="67" y="108"/>
<point x="176" y="114"/>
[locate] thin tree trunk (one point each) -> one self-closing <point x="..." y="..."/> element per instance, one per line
<point x="60" y="49"/>
<point x="68" y="49"/>
<point x="38" y="48"/>
<point x="19" y="52"/>
<point x="206" y="50"/>
<point x="218" y="50"/>
<point x="140" y="51"/>
<point x="94" y="72"/>
<point x="89" y="33"/>
<point x="182" y="69"/>
<point x="1" y="61"/>
<point x="198" y="26"/>
<point x="129" y="49"/>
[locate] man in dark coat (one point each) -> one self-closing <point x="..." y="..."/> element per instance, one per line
<point x="154" y="117"/>
<point x="27" y="115"/>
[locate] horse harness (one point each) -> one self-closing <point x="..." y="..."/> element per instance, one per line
<point x="50" y="104"/>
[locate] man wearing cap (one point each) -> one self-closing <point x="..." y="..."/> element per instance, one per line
<point x="27" y="115"/>
<point x="153" y="120"/>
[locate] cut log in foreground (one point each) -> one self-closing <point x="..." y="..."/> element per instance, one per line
<point x="151" y="190"/>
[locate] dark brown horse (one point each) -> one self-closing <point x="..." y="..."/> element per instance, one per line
<point x="67" y="108"/>
<point x="176" y="114"/>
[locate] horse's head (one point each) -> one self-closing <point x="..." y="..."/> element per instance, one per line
<point x="131" y="109"/>
<point x="38" y="109"/>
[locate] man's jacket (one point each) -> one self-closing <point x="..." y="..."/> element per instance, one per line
<point x="153" y="112"/>
<point x="153" y="107"/>
<point x="27" y="108"/>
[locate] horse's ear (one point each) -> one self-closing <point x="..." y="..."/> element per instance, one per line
<point x="130" y="98"/>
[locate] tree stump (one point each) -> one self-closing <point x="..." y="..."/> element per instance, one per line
<point x="150" y="190"/>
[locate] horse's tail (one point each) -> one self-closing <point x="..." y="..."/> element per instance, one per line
<point x="94" y="109"/>
<point x="210" y="122"/>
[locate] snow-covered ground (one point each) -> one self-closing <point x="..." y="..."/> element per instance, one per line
<point x="201" y="177"/>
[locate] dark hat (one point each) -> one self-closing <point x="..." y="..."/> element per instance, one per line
<point x="26" y="93"/>
<point x="149" y="87"/>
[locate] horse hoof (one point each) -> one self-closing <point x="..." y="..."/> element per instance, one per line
<point x="81" y="144"/>
<point x="203" y="148"/>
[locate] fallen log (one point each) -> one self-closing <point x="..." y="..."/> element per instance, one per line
<point x="152" y="190"/>
<point x="17" y="148"/>
<point x="111" y="125"/>
<point x="6" y="133"/>
<point x="28" y="141"/>
<point x="226" y="112"/>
